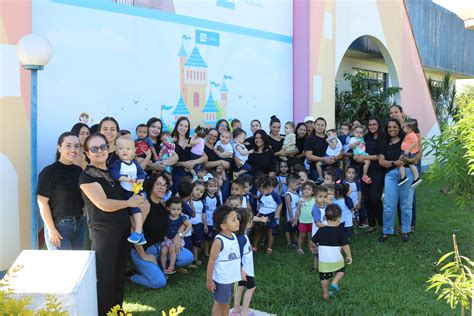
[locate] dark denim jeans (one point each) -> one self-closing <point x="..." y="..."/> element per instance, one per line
<point x="72" y="231"/>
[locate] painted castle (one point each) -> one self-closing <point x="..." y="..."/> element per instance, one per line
<point x="193" y="83"/>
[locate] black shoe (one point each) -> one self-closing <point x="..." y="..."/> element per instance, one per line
<point x="416" y="183"/>
<point x="383" y="238"/>
<point x="402" y="181"/>
<point x="405" y="237"/>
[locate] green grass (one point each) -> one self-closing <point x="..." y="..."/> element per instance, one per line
<point x="384" y="279"/>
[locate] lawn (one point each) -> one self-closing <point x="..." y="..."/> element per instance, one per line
<point x="384" y="279"/>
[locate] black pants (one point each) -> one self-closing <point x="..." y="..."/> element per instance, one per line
<point x="372" y="194"/>
<point x="111" y="251"/>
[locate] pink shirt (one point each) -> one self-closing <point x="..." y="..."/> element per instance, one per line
<point x="199" y="148"/>
<point x="409" y="140"/>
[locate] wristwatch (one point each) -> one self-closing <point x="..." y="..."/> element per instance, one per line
<point x="180" y="234"/>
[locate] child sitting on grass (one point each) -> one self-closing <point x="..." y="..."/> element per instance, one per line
<point x="330" y="240"/>
<point x="224" y="266"/>
<point x="175" y="219"/>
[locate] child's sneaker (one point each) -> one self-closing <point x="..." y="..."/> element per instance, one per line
<point x="402" y="181"/>
<point x="169" y="271"/>
<point x="142" y="240"/>
<point x="416" y="183"/>
<point x="333" y="289"/>
<point x="135" y="238"/>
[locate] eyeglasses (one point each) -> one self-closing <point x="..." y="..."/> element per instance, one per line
<point x="160" y="184"/>
<point x="95" y="149"/>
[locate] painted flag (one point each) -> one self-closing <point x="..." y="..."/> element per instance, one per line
<point x="214" y="84"/>
<point x="227" y="77"/>
<point x="207" y="38"/>
<point x="165" y="107"/>
<point x="185" y="37"/>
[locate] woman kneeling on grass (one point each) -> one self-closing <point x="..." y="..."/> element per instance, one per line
<point x="155" y="226"/>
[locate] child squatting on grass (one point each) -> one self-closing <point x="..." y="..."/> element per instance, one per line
<point x="330" y="240"/>
<point x="224" y="267"/>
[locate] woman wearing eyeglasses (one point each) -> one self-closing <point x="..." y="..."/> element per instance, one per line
<point x="59" y="198"/>
<point x="109" y="222"/>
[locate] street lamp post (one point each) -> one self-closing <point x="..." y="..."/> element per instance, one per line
<point x="34" y="52"/>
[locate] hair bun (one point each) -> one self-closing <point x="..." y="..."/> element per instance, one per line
<point x="273" y="117"/>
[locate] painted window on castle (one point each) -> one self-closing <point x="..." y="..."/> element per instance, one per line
<point x="224" y="97"/>
<point x="196" y="99"/>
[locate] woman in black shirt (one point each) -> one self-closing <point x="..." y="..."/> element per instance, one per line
<point x="262" y="160"/>
<point x="146" y="257"/>
<point x="394" y="193"/>
<point x="109" y="222"/>
<point x="109" y="127"/>
<point x="59" y="198"/>
<point x="155" y="126"/>
<point x="275" y="141"/>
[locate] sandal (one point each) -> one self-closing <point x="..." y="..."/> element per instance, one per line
<point x="269" y="251"/>
<point x="383" y="238"/>
<point x="405" y="237"/>
<point x="367" y="179"/>
<point x="169" y="271"/>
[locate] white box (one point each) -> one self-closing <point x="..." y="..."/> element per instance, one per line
<point x="70" y="275"/>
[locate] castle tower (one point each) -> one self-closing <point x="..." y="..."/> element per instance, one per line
<point x="210" y="112"/>
<point x="180" y="110"/>
<point x="182" y="60"/>
<point x="195" y="83"/>
<point x="224" y="101"/>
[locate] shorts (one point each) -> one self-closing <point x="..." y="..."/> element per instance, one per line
<point x="223" y="293"/>
<point x="290" y="229"/>
<point x="411" y="156"/>
<point x="198" y="234"/>
<point x="188" y="243"/>
<point x="211" y="234"/>
<point x="328" y="275"/>
<point x="305" y="228"/>
<point x="249" y="284"/>
<point x="168" y="242"/>
<point x="271" y="221"/>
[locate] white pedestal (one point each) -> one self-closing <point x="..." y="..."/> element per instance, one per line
<point x="69" y="275"/>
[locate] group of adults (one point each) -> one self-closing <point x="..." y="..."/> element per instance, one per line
<point x="79" y="180"/>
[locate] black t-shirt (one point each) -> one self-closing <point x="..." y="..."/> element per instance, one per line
<point x="60" y="183"/>
<point x="331" y="237"/>
<point x="155" y="224"/>
<point x="211" y="155"/>
<point x="117" y="220"/>
<point x="183" y="154"/>
<point x="276" y="145"/>
<point x="249" y="142"/>
<point x="317" y="145"/>
<point x="392" y="151"/>
<point x="300" y="143"/>
<point x="372" y="147"/>
<point x="262" y="162"/>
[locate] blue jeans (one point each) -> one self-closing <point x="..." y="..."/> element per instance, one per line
<point x="395" y="194"/>
<point x="149" y="274"/>
<point x="72" y="231"/>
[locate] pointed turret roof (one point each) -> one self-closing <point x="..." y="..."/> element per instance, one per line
<point x="182" y="51"/>
<point x="195" y="60"/>
<point x="224" y="88"/>
<point x="181" y="108"/>
<point x="210" y="106"/>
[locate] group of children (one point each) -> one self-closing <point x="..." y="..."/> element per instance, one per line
<point x="321" y="212"/>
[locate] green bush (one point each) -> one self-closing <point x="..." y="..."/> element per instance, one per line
<point x="363" y="100"/>
<point x="453" y="150"/>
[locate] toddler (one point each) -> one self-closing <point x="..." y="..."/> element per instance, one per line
<point x="234" y="201"/>
<point x="281" y="177"/>
<point x="198" y="221"/>
<point x="167" y="149"/>
<point x="289" y="143"/>
<point x="333" y="150"/>
<point x="345" y="139"/>
<point x="340" y="192"/>
<point x="235" y="124"/>
<point x="185" y="190"/>
<point x="212" y="200"/>
<point x="304" y="214"/>
<point x="223" y="148"/>
<point x="126" y="170"/>
<point x="410" y="149"/>
<point x="197" y="148"/>
<point x="143" y="143"/>
<point x="224" y="266"/>
<point x="319" y="218"/>
<point x="357" y="143"/>
<point x="291" y="201"/>
<point x="355" y="192"/>
<point x="175" y="219"/>
<point x="241" y="152"/>
<point x="330" y="240"/>
<point x="246" y="254"/>
<point x="269" y="207"/>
